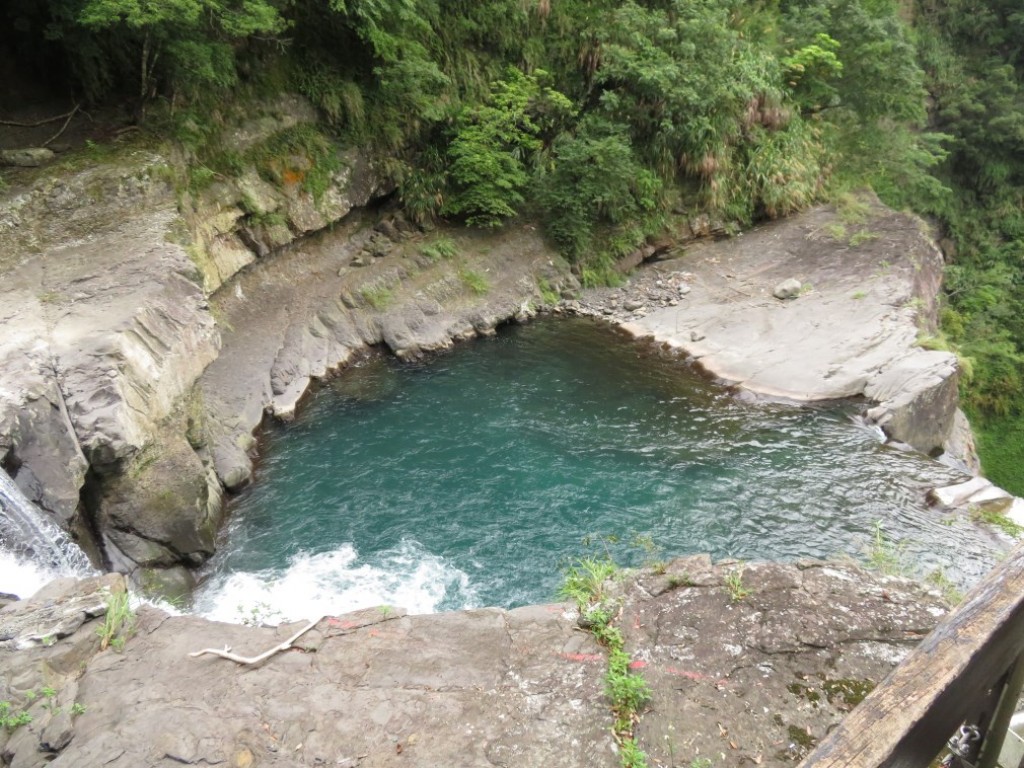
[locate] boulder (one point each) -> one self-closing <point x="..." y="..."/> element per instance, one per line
<point x="788" y="289"/>
<point x="29" y="157"/>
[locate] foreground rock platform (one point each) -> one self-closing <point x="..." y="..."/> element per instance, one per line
<point x="749" y="664"/>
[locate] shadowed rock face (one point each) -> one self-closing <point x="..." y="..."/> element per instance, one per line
<point x="742" y="676"/>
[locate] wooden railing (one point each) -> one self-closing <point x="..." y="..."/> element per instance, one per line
<point x="968" y="670"/>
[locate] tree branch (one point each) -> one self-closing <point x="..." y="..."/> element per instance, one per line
<point x="244" y="660"/>
<point x="17" y="124"/>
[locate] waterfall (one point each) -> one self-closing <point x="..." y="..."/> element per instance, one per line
<point x="34" y="542"/>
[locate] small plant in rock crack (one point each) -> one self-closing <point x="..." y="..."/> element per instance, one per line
<point x="586" y="580"/>
<point x="734" y="583"/>
<point x="118" y="622"/>
<point x="258" y="615"/>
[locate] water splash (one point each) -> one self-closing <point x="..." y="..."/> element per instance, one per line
<point x="33" y="549"/>
<point x="337" y="581"/>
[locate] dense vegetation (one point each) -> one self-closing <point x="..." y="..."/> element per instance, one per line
<point x="608" y="120"/>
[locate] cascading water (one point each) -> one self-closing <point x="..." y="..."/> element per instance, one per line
<point x="33" y="550"/>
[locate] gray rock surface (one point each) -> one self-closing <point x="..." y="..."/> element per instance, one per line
<point x="744" y="678"/>
<point x="868" y="290"/>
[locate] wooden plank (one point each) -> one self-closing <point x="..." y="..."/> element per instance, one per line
<point x="906" y="720"/>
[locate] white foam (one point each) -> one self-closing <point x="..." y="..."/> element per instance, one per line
<point x="331" y="583"/>
<point x="22" y="577"/>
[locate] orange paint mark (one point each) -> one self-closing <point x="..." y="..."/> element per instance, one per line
<point x="292" y="176"/>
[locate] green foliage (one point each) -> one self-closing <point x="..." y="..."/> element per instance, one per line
<point x="594" y="180"/>
<point x="10" y="719"/>
<point x="494" y="144"/>
<point x="585" y="580"/>
<point x="377" y="296"/>
<point x="188" y="43"/>
<point x="441" y="249"/>
<point x="810" y="72"/>
<point x="734" y="583"/>
<point x="547" y="292"/>
<point x="474" y="281"/>
<point x="118" y="622"/>
<point x="885" y="556"/>
<point x="997" y="519"/>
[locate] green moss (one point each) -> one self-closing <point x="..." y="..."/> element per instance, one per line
<point x="801" y="737"/>
<point x="377" y="296"/>
<point x="847" y="691"/>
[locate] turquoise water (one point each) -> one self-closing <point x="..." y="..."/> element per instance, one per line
<point x="471" y="479"/>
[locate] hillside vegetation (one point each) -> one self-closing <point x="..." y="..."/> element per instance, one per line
<point x="611" y="120"/>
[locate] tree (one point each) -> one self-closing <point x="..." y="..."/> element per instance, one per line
<point x="194" y="36"/>
<point x="494" y="143"/>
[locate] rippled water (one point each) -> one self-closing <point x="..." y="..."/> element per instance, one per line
<point x="471" y="479"/>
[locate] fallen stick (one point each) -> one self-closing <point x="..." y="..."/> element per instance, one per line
<point x="36" y="124"/>
<point x="227" y="654"/>
<point x="63" y="128"/>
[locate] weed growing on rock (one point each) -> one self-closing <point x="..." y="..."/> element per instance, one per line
<point x="10" y="720"/>
<point x="377" y="296"/>
<point x="885" y="556"/>
<point x="950" y="592"/>
<point x="585" y="580"/>
<point x="118" y="622"/>
<point x="442" y="249"/>
<point x="547" y="292"/>
<point x="474" y="281"/>
<point x="734" y="583"/>
<point x="258" y="615"/>
<point x="78" y="708"/>
<point x="586" y="583"/>
<point x="998" y="519"/>
<point x="862" y="237"/>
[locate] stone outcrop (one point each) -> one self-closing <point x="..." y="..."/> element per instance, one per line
<point x="868" y="291"/>
<point x="747" y="664"/>
<point x="108" y="330"/>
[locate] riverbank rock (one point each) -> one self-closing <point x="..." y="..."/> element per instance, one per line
<point x="747" y="664"/>
<point x="859" y="287"/>
<point x="306" y="312"/>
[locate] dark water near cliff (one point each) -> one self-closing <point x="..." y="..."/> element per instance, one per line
<point x="471" y="479"/>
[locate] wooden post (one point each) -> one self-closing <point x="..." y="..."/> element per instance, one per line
<point x="995" y="734"/>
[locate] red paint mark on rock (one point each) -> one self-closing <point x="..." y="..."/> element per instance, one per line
<point x="688" y="674"/>
<point x="581" y="656"/>
<point x="637" y="664"/>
